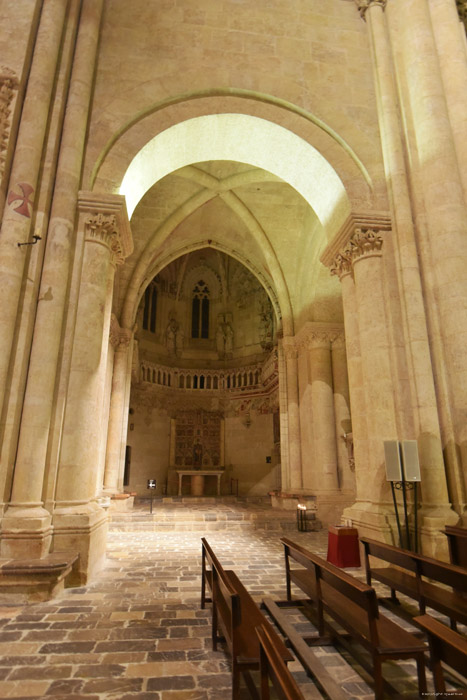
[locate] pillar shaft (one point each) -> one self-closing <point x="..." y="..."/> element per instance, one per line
<point x="322" y="400"/>
<point x="414" y="327"/>
<point x="18" y="212"/>
<point x="340" y="381"/>
<point x="118" y="417"/>
<point x="39" y="397"/>
<point x="293" y="417"/>
<point x="79" y="457"/>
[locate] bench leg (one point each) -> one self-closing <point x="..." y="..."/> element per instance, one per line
<point x="422" y="688"/>
<point x="214" y="628"/>
<point x="235" y="681"/>
<point x="378" y="678"/>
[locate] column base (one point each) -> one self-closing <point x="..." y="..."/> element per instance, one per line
<point x="374" y="520"/>
<point x="26" y="532"/>
<point x="81" y="528"/>
<point x="433" y="520"/>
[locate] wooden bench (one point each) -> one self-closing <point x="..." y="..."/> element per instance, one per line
<point x="411" y="579"/>
<point x="457" y="541"/>
<point x="236" y="615"/>
<point x="354" y="606"/>
<point x="274" y="670"/>
<point x="446" y="646"/>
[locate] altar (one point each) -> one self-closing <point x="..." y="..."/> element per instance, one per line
<point x="197" y="479"/>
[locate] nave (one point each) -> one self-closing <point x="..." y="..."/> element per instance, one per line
<point x="137" y="631"/>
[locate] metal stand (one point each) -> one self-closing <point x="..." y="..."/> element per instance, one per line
<point x="405" y="486"/>
<point x="151" y="502"/>
<point x="301" y="519"/>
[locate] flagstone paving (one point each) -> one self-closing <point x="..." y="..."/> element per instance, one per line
<point x="137" y="632"/>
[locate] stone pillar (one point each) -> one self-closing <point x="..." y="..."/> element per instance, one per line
<point x="17" y="215"/>
<point x="173" y="430"/>
<point x="340" y="381"/>
<point x="440" y="196"/>
<point x="222" y="438"/>
<point x="342" y="267"/>
<point x="322" y="401"/>
<point x="365" y="247"/>
<point x="78" y="520"/>
<point x="118" y="416"/>
<point x="295" y="482"/>
<point x="450" y="43"/>
<point x="283" y="418"/>
<point x="407" y="254"/>
<point x="34" y="438"/>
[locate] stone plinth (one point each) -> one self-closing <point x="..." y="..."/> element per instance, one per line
<point x="35" y="580"/>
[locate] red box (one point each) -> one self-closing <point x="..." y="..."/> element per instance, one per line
<point x="343" y="549"/>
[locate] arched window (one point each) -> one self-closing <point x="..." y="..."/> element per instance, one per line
<point x="150" y="308"/>
<point x="200" y="311"/>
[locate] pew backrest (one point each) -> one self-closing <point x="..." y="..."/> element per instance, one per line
<point x="457" y="541"/>
<point x="446" y="646"/>
<point x="273" y="668"/>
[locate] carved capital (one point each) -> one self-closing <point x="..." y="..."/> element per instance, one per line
<point x="120" y="338"/>
<point x="365" y="243"/>
<point x="8" y="85"/>
<point x="338" y="342"/>
<point x="364" y="5"/>
<point x="102" y="228"/>
<point x="342" y="264"/>
<point x="289" y="348"/>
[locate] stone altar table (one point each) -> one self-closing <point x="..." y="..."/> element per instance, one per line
<point x="197" y="479"/>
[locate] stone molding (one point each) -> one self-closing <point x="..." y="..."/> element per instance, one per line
<point x="374" y="221"/>
<point x="106" y="221"/>
<point x="364" y="5"/>
<point x="120" y="338"/>
<point x="315" y="335"/>
<point x="8" y="85"/>
<point x="290" y="349"/>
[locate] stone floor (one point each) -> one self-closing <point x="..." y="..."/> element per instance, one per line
<point x="137" y="632"/>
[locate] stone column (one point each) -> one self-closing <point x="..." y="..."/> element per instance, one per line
<point x="173" y="428"/>
<point x="407" y="253"/>
<point x="222" y="438"/>
<point x="295" y="482"/>
<point x="118" y="416"/>
<point x="78" y="520"/>
<point x="440" y="195"/>
<point x="450" y="43"/>
<point x="342" y="267"/>
<point x="340" y="383"/>
<point x="365" y="249"/>
<point x="17" y="215"/>
<point x="322" y="401"/>
<point x="34" y="438"/>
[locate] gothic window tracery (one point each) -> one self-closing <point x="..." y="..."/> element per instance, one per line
<point x="200" y="311"/>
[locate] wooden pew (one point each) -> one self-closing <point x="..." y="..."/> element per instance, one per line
<point x="457" y="541"/>
<point x="273" y="668"/>
<point x="354" y="606"/>
<point x="412" y="580"/>
<point x="236" y="615"/>
<point x="446" y="646"/>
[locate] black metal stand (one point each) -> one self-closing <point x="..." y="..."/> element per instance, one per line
<point x="150" y="507"/>
<point x="405" y="486"/>
<point x="301" y="520"/>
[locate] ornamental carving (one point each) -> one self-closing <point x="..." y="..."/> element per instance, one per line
<point x="119" y="338"/>
<point x="338" y="341"/>
<point x="364" y="5"/>
<point x="8" y="85"/>
<point x="342" y="264"/>
<point x="364" y="243"/>
<point x="103" y="229"/>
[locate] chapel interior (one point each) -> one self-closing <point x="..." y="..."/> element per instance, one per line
<point x="233" y="247"/>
